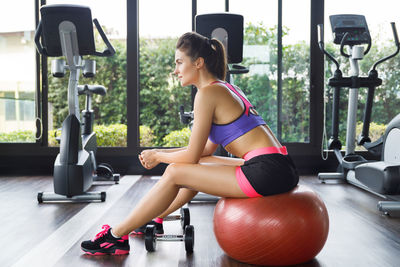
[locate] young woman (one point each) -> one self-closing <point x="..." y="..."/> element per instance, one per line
<point x="222" y="115"/>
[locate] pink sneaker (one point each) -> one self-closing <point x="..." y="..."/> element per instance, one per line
<point x="105" y="244"/>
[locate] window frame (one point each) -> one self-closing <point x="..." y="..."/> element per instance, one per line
<point x="126" y="157"/>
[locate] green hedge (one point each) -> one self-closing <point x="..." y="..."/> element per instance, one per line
<point x="147" y="137"/>
<point x="178" y="138"/>
<point x="52" y="137"/>
<point x="375" y="130"/>
<point x="114" y="135"/>
<point x="18" y="137"/>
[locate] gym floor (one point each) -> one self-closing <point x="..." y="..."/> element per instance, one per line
<point x="50" y="234"/>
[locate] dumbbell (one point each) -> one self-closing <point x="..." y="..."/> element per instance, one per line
<point x="184" y="217"/>
<point x="150" y="238"/>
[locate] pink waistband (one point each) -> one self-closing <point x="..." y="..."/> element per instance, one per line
<point x="265" y="150"/>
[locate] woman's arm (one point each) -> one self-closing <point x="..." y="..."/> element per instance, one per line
<point x="203" y="113"/>
<point x="209" y="149"/>
<point x="169" y="150"/>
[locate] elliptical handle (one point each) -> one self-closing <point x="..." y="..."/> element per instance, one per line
<point x="322" y="45"/>
<point x="320" y="33"/>
<point x="369" y="43"/>
<point x="396" y="40"/>
<point x="342" y="44"/>
<point x="396" y="37"/>
<point x="109" y="51"/>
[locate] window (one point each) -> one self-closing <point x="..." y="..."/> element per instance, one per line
<point x="295" y="115"/>
<point x="135" y="97"/>
<point x="210" y="6"/>
<point x="259" y="56"/>
<point x="280" y="92"/>
<point x="17" y="80"/>
<point x="160" y="93"/>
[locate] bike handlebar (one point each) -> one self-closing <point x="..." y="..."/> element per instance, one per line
<point x="109" y="51"/>
<point x="38" y="33"/>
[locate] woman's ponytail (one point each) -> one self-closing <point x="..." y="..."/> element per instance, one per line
<point x="218" y="63"/>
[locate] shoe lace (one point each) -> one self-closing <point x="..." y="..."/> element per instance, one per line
<point x="102" y="233"/>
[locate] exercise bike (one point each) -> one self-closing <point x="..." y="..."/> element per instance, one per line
<point x="379" y="177"/>
<point x="67" y="30"/>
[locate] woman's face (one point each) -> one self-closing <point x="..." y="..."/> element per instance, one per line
<point x="185" y="69"/>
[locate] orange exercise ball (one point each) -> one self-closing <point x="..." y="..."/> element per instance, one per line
<point x="285" y="229"/>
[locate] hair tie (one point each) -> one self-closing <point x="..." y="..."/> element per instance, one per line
<point x="207" y="48"/>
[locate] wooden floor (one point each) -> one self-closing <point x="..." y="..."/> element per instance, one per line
<point x="35" y="234"/>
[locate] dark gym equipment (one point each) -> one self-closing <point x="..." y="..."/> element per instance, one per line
<point x="67" y="30"/>
<point x="184" y="217"/>
<point x="380" y="177"/>
<point x="150" y="238"/>
<point x="103" y="171"/>
<point x="226" y="27"/>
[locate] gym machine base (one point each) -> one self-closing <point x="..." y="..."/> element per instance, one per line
<point x="85" y="197"/>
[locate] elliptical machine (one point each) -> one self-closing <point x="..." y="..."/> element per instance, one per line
<point x="67" y="30"/>
<point x="380" y="177"/>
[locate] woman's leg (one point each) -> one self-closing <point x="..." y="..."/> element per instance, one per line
<point x="211" y="179"/>
<point x="183" y="197"/>
<point x="185" y="194"/>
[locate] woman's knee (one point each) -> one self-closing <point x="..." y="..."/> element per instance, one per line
<point x="171" y="172"/>
<point x="205" y="159"/>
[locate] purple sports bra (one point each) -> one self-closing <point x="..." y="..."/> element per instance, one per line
<point x="225" y="133"/>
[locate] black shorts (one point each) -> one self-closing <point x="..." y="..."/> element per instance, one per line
<point x="270" y="174"/>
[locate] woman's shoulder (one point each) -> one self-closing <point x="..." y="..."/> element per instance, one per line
<point x="209" y="90"/>
<point x="211" y="94"/>
<point x="215" y="89"/>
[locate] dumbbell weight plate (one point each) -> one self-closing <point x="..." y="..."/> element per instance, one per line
<point x="150" y="238"/>
<point x="189" y="238"/>
<point x="40" y="197"/>
<point x="185" y="217"/>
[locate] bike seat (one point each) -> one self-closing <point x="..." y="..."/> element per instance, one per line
<point x="91" y="89"/>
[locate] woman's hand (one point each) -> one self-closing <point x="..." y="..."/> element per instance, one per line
<point x="148" y="158"/>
